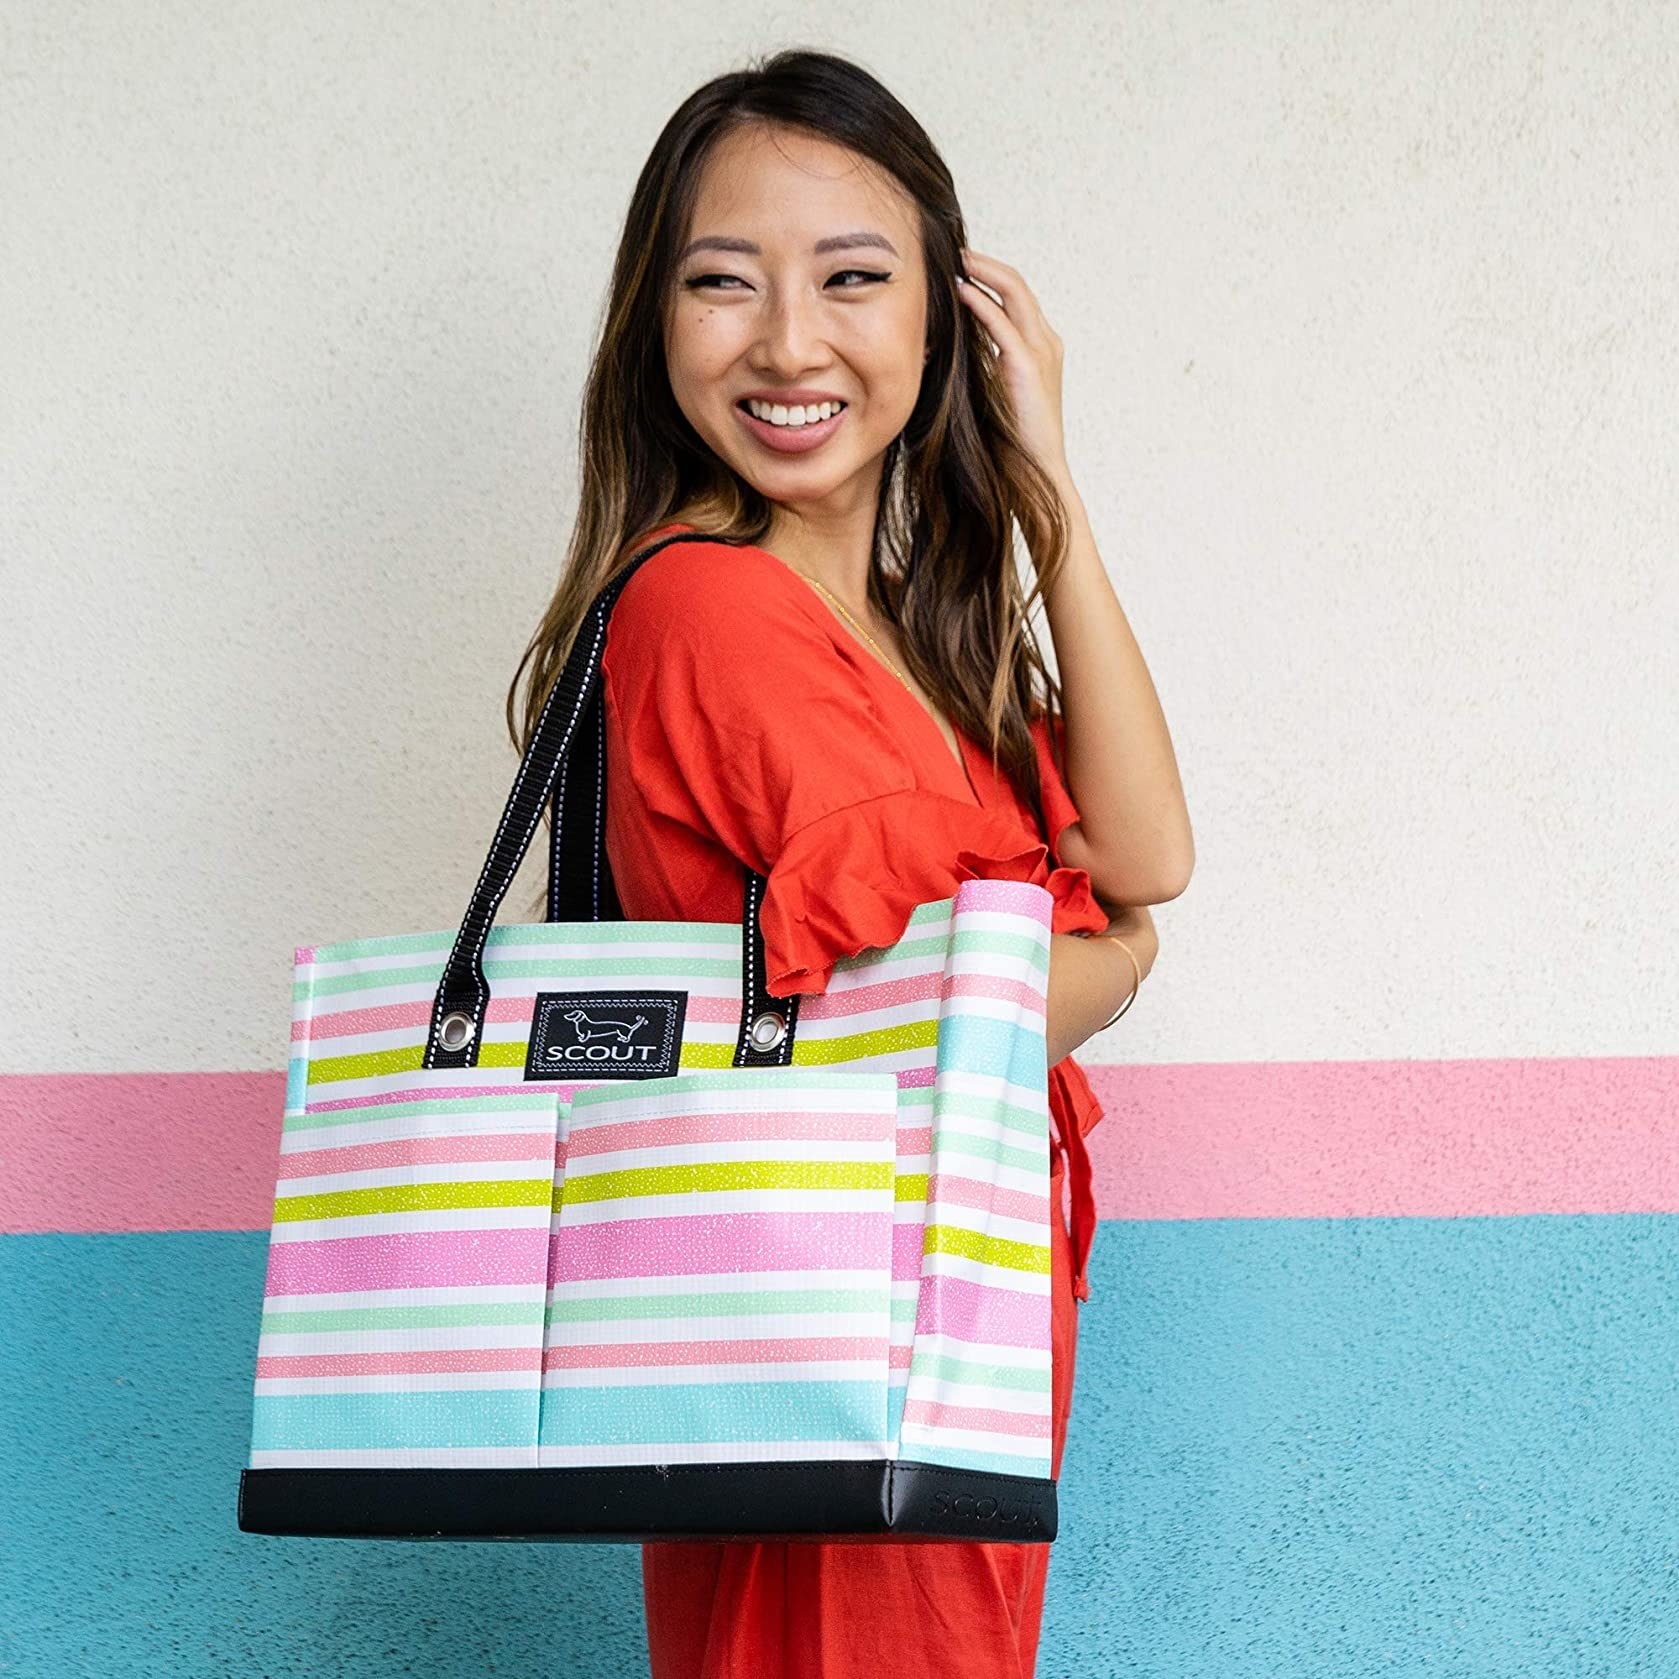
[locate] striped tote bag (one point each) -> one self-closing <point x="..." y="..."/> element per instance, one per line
<point x="578" y="1233"/>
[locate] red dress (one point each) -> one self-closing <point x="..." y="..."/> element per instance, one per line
<point x="746" y="723"/>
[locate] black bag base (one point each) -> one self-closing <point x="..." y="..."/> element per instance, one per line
<point x="876" y="1499"/>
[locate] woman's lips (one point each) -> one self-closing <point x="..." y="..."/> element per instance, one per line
<point x="792" y="440"/>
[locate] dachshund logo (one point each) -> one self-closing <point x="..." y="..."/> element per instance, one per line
<point x="586" y="1036"/>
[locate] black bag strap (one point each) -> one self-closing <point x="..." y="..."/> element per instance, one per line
<point x="566" y="762"/>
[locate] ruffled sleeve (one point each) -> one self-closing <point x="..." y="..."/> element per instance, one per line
<point x="1059" y="810"/>
<point x="1076" y="907"/>
<point x="744" y="725"/>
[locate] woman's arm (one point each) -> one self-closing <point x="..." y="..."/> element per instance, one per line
<point x="1133" y="834"/>
<point x="1090" y="977"/>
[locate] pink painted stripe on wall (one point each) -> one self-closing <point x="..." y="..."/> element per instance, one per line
<point x="1330" y="1139"/>
<point x="1385" y="1139"/>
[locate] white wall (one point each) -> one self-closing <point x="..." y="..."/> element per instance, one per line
<point x="1371" y="316"/>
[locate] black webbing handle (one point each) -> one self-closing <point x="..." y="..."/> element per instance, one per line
<point x="566" y="761"/>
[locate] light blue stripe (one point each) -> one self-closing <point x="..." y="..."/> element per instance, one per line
<point x="349" y="1421"/>
<point x="724" y="1411"/>
<point x="297" y="1083"/>
<point x="977" y="1043"/>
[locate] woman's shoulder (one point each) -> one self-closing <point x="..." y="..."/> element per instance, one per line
<point x="709" y="592"/>
<point x="689" y="556"/>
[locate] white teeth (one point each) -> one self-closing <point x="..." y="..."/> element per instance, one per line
<point x="779" y="414"/>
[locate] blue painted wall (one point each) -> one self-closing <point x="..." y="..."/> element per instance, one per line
<point x="1300" y="1449"/>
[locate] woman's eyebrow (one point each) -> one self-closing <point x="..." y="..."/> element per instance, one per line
<point x="834" y="242"/>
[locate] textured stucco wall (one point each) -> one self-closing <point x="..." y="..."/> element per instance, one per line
<point x="1372" y="326"/>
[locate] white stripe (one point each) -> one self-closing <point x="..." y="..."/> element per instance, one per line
<point x="468" y="1336"/>
<point x="716" y="1282"/>
<point x="395" y="1224"/>
<point x="399" y="1457"/>
<point x="952" y="1215"/>
<point x="759" y="1326"/>
<point x="767" y="1371"/>
<point x="606" y="1103"/>
<point x="467" y="1121"/>
<point x="447" y="1295"/>
<point x="421" y="1172"/>
<point x="681" y="1204"/>
<point x="877" y="1151"/>
<point x="951" y="1164"/>
<point x="995" y="1276"/>
<point x="983" y="1085"/>
<point x="819" y="1027"/>
<point x="1027" y="1014"/>
<point x="438" y="1381"/>
<point x="985" y="1352"/>
<point x="940" y="1391"/>
<point x="713" y="1451"/>
<point x="972" y="1439"/>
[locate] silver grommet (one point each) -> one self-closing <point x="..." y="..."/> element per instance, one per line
<point x="455" y="1030"/>
<point x="767" y="1030"/>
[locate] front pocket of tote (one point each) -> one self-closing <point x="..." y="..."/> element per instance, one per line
<point x="721" y="1269"/>
<point x="402" y="1319"/>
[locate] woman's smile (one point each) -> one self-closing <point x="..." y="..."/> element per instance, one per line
<point x="791" y="431"/>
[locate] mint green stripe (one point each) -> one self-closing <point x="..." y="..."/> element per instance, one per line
<point x="982" y="1375"/>
<point x="537" y="933"/>
<point x="1005" y="1114"/>
<point x="364" y="1112"/>
<point x="1003" y="944"/>
<point x="981" y="1148"/>
<point x="400" y="1317"/>
<point x="586" y="968"/>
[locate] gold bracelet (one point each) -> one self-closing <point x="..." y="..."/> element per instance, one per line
<point x="1137" y="984"/>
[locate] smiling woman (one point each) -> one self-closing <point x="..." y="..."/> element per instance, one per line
<point x="846" y="695"/>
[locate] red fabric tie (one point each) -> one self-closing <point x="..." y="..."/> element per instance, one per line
<point x="1077" y="1157"/>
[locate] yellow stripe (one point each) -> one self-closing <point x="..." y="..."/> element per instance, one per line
<point x="988" y="1250"/>
<point x="409" y="1059"/>
<point x="729" y="1174"/>
<point x="416" y="1198"/>
<point x="886" y="1040"/>
<point x="912" y="1186"/>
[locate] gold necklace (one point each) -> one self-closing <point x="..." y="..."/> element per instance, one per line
<point x="890" y="663"/>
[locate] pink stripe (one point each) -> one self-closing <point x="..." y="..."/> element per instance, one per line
<point x="683" y="1245"/>
<point x="808" y="1349"/>
<point x="676" y="1129"/>
<point x="414" y="1151"/>
<point x="968" y="1192"/>
<point x="977" y="1312"/>
<point x="882" y="994"/>
<point x="906" y="1250"/>
<point x="915" y="1139"/>
<point x="440" y="1093"/>
<point x="437" y="1361"/>
<point x="1030" y="999"/>
<point x="929" y="1413"/>
<point x="408" y="1259"/>
<point x="197" y="1151"/>
<point x="394" y="1017"/>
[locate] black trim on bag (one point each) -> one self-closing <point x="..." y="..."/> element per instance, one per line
<point x="631" y="1503"/>
<point x="566" y="762"/>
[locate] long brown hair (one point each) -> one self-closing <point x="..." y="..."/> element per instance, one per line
<point x="955" y="482"/>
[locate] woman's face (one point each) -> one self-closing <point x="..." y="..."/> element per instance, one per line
<point x="802" y="282"/>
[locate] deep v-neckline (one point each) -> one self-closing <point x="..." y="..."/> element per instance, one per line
<point x="964" y="763"/>
<point x="893" y="680"/>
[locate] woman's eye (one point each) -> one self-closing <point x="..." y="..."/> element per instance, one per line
<point x="706" y="282"/>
